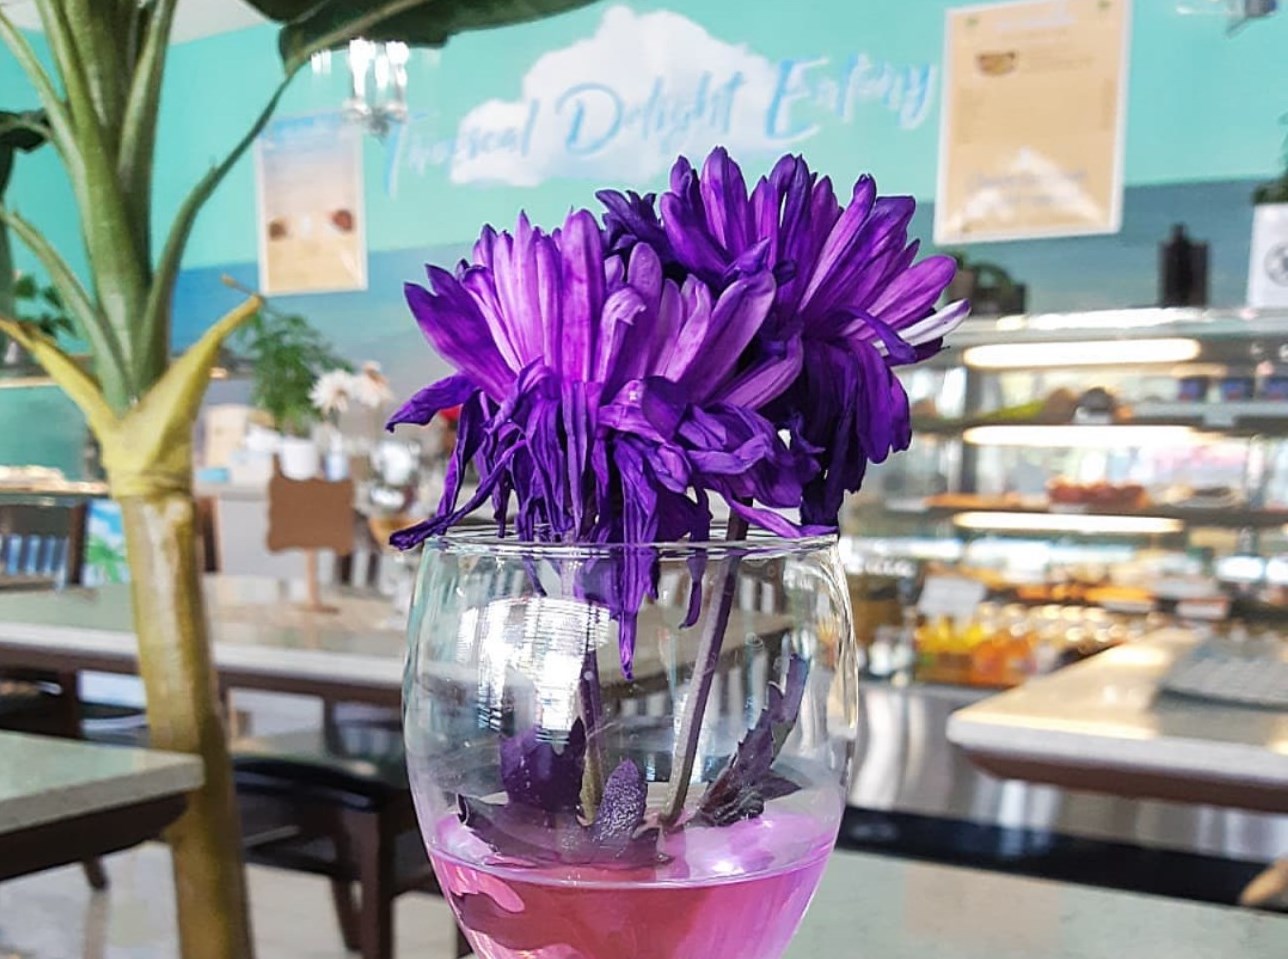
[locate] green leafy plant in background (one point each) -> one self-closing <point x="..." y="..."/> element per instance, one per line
<point x="19" y="133"/>
<point x="288" y="356"/>
<point x="42" y="307"/>
<point x="1276" y="191"/>
<point x="100" y="91"/>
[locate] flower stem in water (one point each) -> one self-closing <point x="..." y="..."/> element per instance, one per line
<point x="704" y="671"/>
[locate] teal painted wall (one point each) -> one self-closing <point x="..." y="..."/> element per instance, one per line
<point x="1201" y="107"/>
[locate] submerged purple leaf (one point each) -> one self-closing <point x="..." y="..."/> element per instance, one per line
<point x="748" y="781"/>
<point x="621" y="811"/>
<point x="538" y="775"/>
<point x="525" y="835"/>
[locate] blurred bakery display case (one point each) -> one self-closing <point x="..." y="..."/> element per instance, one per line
<point x="1076" y="480"/>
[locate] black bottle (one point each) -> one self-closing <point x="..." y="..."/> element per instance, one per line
<point x="1182" y="270"/>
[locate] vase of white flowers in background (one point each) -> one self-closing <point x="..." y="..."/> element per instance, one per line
<point x="352" y="406"/>
<point x="331" y="395"/>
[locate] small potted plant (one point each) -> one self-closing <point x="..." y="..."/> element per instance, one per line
<point x="1268" y="264"/>
<point x="289" y="356"/>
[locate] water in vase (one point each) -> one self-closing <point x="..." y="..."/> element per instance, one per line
<point x="723" y="893"/>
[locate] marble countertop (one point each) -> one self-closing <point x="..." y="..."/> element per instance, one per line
<point x="883" y="908"/>
<point x="257" y="627"/>
<point x="45" y="780"/>
<point x="260" y="628"/>
<point x="1107" y="712"/>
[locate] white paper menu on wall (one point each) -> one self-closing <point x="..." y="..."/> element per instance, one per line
<point x="1032" y="129"/>
<point x="312" y="219"/>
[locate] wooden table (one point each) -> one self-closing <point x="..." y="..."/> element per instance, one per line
<point x="1102" y="725"/>
<point x="63" y="801"/>
<point x="263" y="640"/>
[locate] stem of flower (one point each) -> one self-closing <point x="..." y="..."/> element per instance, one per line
<point x="704" y="672"/>
<point x="592" y="711"/>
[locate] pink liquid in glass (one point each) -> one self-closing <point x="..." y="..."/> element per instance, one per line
<point x="731" y="893"/>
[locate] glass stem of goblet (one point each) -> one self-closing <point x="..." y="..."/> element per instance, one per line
<point x="704" y="672"/>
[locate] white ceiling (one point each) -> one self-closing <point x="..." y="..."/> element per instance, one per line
<point x="195" y="18"/>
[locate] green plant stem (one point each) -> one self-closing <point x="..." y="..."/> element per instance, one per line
<point x="684" y="756"/>
<point x="184" y="716"/>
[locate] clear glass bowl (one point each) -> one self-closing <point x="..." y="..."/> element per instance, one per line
<point x="575" y="810"/>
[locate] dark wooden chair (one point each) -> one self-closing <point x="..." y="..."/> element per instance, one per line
<point x="42" y="546"/>
<point x="336" y="802"/>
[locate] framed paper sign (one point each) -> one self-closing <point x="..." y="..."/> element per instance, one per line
<point x="311" y="223"/>
<point x="1034" y="110"/>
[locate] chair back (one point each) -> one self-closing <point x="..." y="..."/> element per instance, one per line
<point x="42" y="545"/>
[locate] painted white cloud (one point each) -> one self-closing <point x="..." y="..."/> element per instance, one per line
<point x="621" y="104"/>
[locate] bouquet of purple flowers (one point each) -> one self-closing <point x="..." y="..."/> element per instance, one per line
<point x="613" y="376"/>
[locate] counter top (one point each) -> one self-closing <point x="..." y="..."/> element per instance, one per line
<point x="45" y="780"/>
<point x="885" y="908"/>
<point x="1105" y="722"/>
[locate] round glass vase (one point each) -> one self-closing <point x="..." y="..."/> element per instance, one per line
<point x="581" y="801"/>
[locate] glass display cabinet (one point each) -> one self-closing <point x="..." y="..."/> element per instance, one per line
<point x="1074" y="480"/>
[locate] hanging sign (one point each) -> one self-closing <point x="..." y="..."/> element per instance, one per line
<point x="311" y="223"/>
<point x="1032" y="129"/>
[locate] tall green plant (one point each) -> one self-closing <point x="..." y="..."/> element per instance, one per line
<point x="101" y="97"/>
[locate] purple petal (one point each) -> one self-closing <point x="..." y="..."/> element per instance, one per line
<point x="914" y="291"/>
<point x="724" y="195"/>
<point x="938" y="325"/>
<point x="765" y="381"/>
<point x="739" y="314"/>
<point x="453" y="325"/>
<point x="582" y="255"/>
<point x="690" y="342"/>
<point x="428" y="402"/>
<point x="538" y="775"/>
<point x="842" y="244"/>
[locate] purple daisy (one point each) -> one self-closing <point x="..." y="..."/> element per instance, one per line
<point x="851" y="297"/>
<point x="607" y="399"/>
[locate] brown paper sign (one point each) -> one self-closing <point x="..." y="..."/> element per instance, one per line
<point x="310" y="514"/>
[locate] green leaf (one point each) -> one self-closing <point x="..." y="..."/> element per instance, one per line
<point x="22" y="131"/>
<point x="310" y="25"/>
<point x="25" y="287"/>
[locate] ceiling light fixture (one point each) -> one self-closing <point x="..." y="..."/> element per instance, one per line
<point x="1023" y="356"/>
<point x="377" y="98"/>
<point x="1085" y="523"/>
<point x="1072" y="436"/>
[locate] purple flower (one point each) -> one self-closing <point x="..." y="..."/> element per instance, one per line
<point x="850" y="296"/>
<point x="606" y="398"/>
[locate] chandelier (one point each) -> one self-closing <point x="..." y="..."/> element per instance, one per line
<point x="377" y="98"/>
